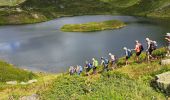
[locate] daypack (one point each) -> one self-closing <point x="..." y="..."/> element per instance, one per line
<point x="106" y="61"/>
<point x="89" y="65"/>
<point x="141" y="47"/>
<point x="153" y="45"/>
<point x="80" y="68"/>
<point x="129" y="52"/>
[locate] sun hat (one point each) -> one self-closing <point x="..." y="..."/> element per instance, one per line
<point x="125" y="48"/>
<point x="167" y="34"/>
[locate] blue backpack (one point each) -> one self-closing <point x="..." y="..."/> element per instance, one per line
<point x="89" y="65"/>
<point x="129" y="53"/>
<point x="81" y="68"/>
<point x="106" y="61"/>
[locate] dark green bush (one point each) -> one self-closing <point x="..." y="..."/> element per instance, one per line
<point x="160" y="52"/>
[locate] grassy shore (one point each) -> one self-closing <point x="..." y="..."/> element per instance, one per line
<point x="9" y="72"/>
<point x="126" y="82"/>
<point x="93" y="26"/>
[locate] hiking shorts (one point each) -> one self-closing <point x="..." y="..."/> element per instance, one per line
<point x="150" y="52"/>
<point x="88" y="69"/>
<point x="138" y="53"/>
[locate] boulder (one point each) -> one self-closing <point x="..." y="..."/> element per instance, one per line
<point x="18" y="9"/>
<point x="32" y="97"/>
<point x="163" y="81"/>
<point x="23" y="83"/>
<point x="12" y="82"/>
<point x="165" y="62"/>
<point x="32" y="81"/>
<point x="35" y="16"/>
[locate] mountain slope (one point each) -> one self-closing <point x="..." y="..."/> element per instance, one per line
<point x="10" y="2"/>
<point x="32" y="11"/>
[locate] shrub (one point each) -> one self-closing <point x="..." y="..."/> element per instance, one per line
<point x="160" y="52"/>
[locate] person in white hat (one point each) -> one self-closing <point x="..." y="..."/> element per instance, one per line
<point x="128" y="54"/>
<point x="151" y="46"/>
<point x="112" y="60"/>
<point x="168" y="40"/>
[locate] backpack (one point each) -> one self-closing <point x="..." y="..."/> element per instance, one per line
<point x="80" y="68"/>
<point x="106" y="61"/>
<point x="141" y="47"/>
<point x="89" y="65"/>
<point x="129" y="53"/>
<point x="153" y="45"/>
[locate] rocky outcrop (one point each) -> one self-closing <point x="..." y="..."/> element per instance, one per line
<point x="32" y="97"/>
<point x="165" y="62"/>
<point x="22" y="83"/>
<point x="12" y="82"/>
<point x="163" y="82"/>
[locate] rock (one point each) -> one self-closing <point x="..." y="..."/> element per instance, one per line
<point x="32" y="81"/>
<point x="61" y="6"/>
<point x="12" y="82"/>
<point x="165" y="62"/>
<point x="18" y="10"/>
<point x="163" y="81"/>
<point x="32" y="97"/>
<point x="23" y="83"/>
<point x="35" y="16"/>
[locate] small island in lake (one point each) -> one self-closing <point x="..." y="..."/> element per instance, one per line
<point x="93" y="26"/>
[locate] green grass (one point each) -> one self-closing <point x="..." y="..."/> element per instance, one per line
<point x="10" y="2"/>
<point x="17" y="91"/>
<point x="93" y="26"/>
<point x="10" y="73"/>
<point x="117" y="86"/>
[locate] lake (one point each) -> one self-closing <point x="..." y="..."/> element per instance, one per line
<point x="43" y="47"/>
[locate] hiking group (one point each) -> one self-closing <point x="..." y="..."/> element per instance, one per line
<point x="110" y="64"/>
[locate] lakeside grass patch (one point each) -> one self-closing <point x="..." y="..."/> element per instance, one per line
<point x="8" y="72"/>
<point x="93" y="26"/>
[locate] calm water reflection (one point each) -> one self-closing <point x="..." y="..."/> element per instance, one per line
<point x="43" y="47"/>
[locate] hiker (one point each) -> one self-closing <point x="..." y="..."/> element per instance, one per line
<point x="79" y="69"/>
<point x="128" y="54"/>
<point x="168" y="40"/>
<point x="95" y="64"/>
<point x="88" y="67"/>
<point x="71" y="70"/>
<point x="138" y="49"/>
<point x="151" y="46"/>
<point x="105" y="63"/>
<point x="112" y="60"/>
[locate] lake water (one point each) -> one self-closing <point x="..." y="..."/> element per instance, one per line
<point x="43" y="47"/>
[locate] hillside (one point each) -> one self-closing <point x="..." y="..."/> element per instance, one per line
<point x="135" y="81"/>
<point x="10" y="2"/>
<point x="9" y="72"/>
<point x="32" y="11"/>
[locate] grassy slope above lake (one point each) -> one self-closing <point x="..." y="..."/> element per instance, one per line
<point x="43" y="10"/>
<point x="9" y="72"/>
<point x="93" y="26"/>
<point x="10" y="2"/>
<point x="131" y="82"/>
